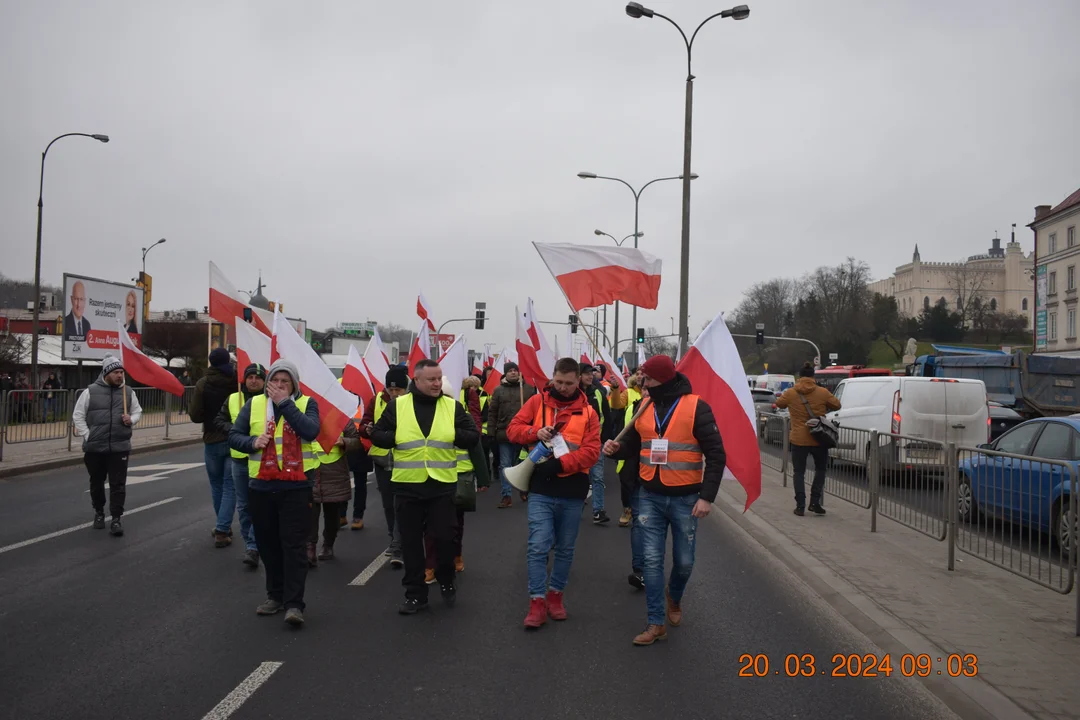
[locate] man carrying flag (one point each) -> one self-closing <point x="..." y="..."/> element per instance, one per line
<point x="681" y="462"/>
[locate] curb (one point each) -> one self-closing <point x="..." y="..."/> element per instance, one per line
<point x="970" y="698"/>
<point x="76" y="458"/>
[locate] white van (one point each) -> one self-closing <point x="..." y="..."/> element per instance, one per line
<point x="942" y="410"/>
<point x="776" y="383"/>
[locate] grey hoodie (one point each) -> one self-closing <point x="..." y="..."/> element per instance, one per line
<point x="289" y="367"/>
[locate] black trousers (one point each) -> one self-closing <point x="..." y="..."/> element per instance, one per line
<point x="382" y="479"/>
<point x="799" y="454"/>
<point x="417" y="517"/>
<point x="115" y="467"/>
<point x="332" y="513"/>
<point x="282" y="522"/>
<point x="628" y="482"/>
<point x="491" y="449"/>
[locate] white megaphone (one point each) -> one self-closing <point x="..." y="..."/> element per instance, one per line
<point x="520" y="474"/>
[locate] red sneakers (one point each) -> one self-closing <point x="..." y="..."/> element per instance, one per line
<point x="537" y="613"/>
<point x="556" y="609"/>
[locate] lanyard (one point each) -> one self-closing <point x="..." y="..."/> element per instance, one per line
<point x="660" y="426"/>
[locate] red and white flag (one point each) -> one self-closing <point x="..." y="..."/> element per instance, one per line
<point x="640" y="355"/>
<point x="597" y="275"/>
<point x="423" y="311"/>
<point x="252" y="347"/>
<point x="354" y="377"/>
<point x="717" y="375"/>
<point x="226" y="304"/>
<point x="606" y="359"/>
<point x="527" y="359"/>
<point x="143" y="369"/>
<point x="336" y="404"/>
<point x="375" y="362"/>
<point x="420" y="350"/>
<point x="586" y="359"/>
<point x="455" y="366"/>
<point x="496" y="375"/>
<point x="478" y="365"/>
<point x="544" y="354"/>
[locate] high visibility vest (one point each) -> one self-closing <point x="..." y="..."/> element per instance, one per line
<point x="629" y="419"/>
<point x="333" y="456"/>
<point x="574" y="431"/>
<point x="483" y="404"/>
<point x="258" y="427"/>
<point x="236" y="403"/>
<point x="380" y="406"/>
<point x="416" y="458"/>
<point x="685" y="461"/>
<point x="464" y="462"/>
<point x="600" y="405"/>
<point x="632" y="396"/>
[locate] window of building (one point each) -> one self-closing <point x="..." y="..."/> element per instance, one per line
<point x="1053" y="242"/>
<point x="959" y="303"/>
<point x="943" y="302"/>
<point x="1023" y="304"/>
<point x="926" y="302"/>
<point x="1070" y="236"/>
<point x="1051" y="325"/>
<point x="1070" y="325"/>
<point x="1051" y="284"/>
<point x="993" y="304"/>
<point x="1070" y="277"/>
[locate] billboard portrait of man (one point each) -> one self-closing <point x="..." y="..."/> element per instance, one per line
<point x="76" y="326"/>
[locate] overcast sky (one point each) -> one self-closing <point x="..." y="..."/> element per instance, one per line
<point x="358" y="152"/>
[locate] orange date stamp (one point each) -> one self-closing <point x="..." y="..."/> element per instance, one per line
<point x="859" y="665"/>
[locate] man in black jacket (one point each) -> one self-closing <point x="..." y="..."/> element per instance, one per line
<point x="597" y="397"/>
<point x="681" y="462"/>
<point x="423" y="427"/>
<point x="211" y="392"/>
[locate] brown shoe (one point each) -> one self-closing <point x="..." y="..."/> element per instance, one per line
<point x="327" y="552"/>
<point x="358" y="524"/>
<point x="624" y="519"/>
<point x="429" y="576"/>
<point x="312" y="558"/>
<point x="650" y="635"/>
<point x="222" y="540"/>
<point x="674" y="611"/>
<point x="342" y="522"/>
<point x="505" y="503"/>
<point x="459" y="564"/>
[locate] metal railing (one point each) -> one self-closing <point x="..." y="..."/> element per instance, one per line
<point x="907" y="475"/>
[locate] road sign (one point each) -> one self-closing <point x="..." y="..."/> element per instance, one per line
<point x="834" y="356"/>
<point x="444" y="341"/>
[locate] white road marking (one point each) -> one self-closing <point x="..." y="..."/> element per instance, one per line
<point x="243" y="691"/>
<point x="84" y="526"/>
<point x="159" y="471"/>
<point x="371" y="569"/>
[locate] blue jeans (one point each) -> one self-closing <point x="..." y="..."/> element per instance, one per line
<point x="218" y="470"/>
<point x="637" y="533"/>
<point x="596" y="477"/>
<point x="240" y="485"/>
<point x="553" y="521"/>
<point x="655" y="513"/>
<point x="508" y="458"/>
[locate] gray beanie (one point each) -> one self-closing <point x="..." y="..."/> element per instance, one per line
<point x="110" y="363"/>
<point x="284" y="365"/>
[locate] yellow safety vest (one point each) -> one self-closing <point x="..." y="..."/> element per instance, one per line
<point x="632" y="396"/>
<point x="600" y="405"/>
<point x="464" y="462"/>
<point x="416" y="458"/>
<point x="629" y="419"/>
<point x="236" y="403"/>
<point x="258" y="427"/>
<point x="327" y="458"/>
<point x="380" y="406"/>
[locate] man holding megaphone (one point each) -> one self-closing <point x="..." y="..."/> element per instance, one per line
<point x="562" y="432"/>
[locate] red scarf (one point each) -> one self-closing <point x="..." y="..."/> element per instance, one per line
<point x="292" y="464"/>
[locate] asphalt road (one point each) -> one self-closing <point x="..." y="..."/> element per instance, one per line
<point x="160" y="624"/>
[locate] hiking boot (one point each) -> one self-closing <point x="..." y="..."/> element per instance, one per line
<point x="412" y="606"/>
<point x="115" y="528"/>
<point x="222" y="540"/>
<point x="674" y="611"/>
<point x="449" y="594"/>
<point x="327" y="552"/>
<point x="555" y="608"/>
<point x="357" y="524"/>
<point x="600" y="518"/>
<point x="251" y="558"/>
<point x="636" y="579"/>
<point x="651" y="634"/>
<point x="459" y="564"/>
<point x="397" y="559"/>
<point x="294" y="616"/>
<point x="429" y="576"/>
<point x="537" y="613"/>
<point x="269" y="607"/>
<point x="99" y="521"/>
<point x="817" y="509"/>
<point x="505" y="503"/>
<point x="799" y="511"/>
<point x="312" y="558"/>
<point x="625" y="518"/>
<point x="342" y="522"/>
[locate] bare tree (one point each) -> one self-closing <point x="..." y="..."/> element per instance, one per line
<point x="655" y="345"/>
<point x="174" y="338"/>
<point x="968" y="283"/>
<point x="771" y="302"/>
<point x="17" y="293"/>
<point x="12" y="352"/>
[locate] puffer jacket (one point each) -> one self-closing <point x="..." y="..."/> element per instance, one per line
<point x="211" y="392"/>
<point x="504" y="404"/>
<point x="821" y="401"/>
<point x="332" y="480"/>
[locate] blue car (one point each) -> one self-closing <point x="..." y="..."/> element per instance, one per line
<point x="1025" y="492"/>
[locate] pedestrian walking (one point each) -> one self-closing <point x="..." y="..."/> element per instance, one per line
<point x="277" y="430"/>
<point x="359" y="465"/>
<point x="330" y="493"/>
<point x="596" y="396"/>
<point x="491" y="445"/>
<point x="628" y="471"/>
<point x="505" y="403"/>
<point x="628" y="479"/>
<point x="211" y="392"/>
<point x="424" y="427"/>
<point x="254" y="384"/>
<point x="396" y="384"/>
<point x="680" y="464"/>
<point x="559" y="417"/>
<point x="104" y="415"/>
<point x="804" y="401"/>
<point x="50" y="386"/>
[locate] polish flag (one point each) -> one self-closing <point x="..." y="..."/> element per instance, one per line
<point x="508" y="355"/>
<point x="640" y="355"/>
<point x="477" y="365"/>
<point x="495" y="377"/>
<point x="143" y="369"/>
<point x="717" y="375"/>
<point x="625" y="371"/>
<point x="375" y="361"/>
<point x="422" y="310"/>
<point x="418" y="352"/>
<point x="597" y="275"/>
<point x="355" y="377"/>
<point x="544" y="354"/>
<point x="585" y="359"/>
<point x="455" y="366"/>
<point x="226" y="304"/>
<point x="336" y="404"/>
<point x="251" y="346"/>
<point x="606" y="359"/>
<point x="528" y="360"/>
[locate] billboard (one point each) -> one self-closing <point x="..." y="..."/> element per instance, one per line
<point x="1040" y="308"/>
<point x="91" y="309"/>
<point x="444" y="341"/>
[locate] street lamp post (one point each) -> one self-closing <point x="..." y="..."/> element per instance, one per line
<point x="618" y="243"/>
<point x="739" y="12"/>
<point x="637" y="201"/>
<point x="37" y="254"/>
<point x="145" y="250"/>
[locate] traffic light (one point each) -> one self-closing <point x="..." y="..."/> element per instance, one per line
<point x="641" y="335"/>
<point x="573" y="323"/>
<point x="480" y="312"/>
<point x="760" y="333"/>
<point x="272" y="306"/>
<point x="247" y="314"/>
<point x="147" y="284"/>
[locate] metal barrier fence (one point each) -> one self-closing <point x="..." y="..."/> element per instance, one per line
<point x="772" y="430"/>
<point x="910" y="479"/>
<point x="846" y="475"/>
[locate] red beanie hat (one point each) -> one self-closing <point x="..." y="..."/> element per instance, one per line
<point x="660" y="368"/>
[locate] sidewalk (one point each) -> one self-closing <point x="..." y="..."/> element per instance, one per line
<point x="28" y="457"/>
<point x="894" y="586"/>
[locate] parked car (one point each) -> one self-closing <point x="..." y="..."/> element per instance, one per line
<point x="776" y="383"/>
<point x="1026" y="492"/>
<point x="1002" y="419"/>
<point x="770" y="424"/>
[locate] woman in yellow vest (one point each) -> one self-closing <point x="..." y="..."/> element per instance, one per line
<point x="277" y="432"/>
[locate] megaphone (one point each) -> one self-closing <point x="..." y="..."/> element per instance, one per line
<point x="520" y="474"/>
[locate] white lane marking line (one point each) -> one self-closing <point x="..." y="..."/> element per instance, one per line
<point x="243" y="691"/>
<point x="84" y="526"/>
<point x="167" y="467"/>
<point x="371" y="569"/>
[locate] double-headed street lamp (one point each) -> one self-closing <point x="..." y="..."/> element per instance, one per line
<point x="37" y="255"/>
<point x="739" y="12"/>
<point x="637" y="202"/>
<point x="145" y="250"/>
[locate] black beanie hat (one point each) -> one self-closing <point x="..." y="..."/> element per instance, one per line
<point x="255" y="369"/>
<point x="397" y="377"/>
<point x="807" y="371"/>
<point x="507" y="367"/>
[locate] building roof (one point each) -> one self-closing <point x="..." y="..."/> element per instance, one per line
<point x="1067" y="203"/>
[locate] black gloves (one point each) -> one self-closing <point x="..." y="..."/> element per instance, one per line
<point x="547" y="469"/>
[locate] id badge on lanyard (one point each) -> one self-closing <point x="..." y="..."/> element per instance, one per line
<point x="658" y="448"/>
